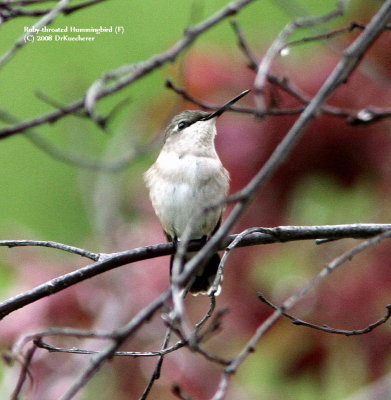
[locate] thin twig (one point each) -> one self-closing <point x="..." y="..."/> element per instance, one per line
<point x="24" y="373"/>
<point x="325" y="328"/>
<point x="13" y="10"/>
<point x="330" y="34"/>
<point x="7" y="3"/>
<point x="52" y="245"/>
<point x="187" y="96"/>
<point x="195" y="338"/>
<point x="219" y="276"/>
<point x="18" y="346"/>
<point x="242" y="110"/>
<point x="243" y="45"/>
<point x="208" y="314"/>
<point x="156" y="372"/>
<point x="305" y="99"/>
<point x="135" y="354"/>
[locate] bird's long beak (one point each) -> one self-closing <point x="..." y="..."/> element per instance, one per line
<point x="224" y="107"/>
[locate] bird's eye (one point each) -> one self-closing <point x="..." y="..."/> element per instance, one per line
<point x="182" y="125"/>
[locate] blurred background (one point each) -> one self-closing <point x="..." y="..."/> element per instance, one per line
<point x="337" y="174"/>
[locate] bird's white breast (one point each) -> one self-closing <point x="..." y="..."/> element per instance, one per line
<point x="181" y="186"/>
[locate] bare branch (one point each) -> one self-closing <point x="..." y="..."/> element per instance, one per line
<point x="110" y="261"/>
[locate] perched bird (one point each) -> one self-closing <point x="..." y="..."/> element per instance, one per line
<point x="186" y="178"/>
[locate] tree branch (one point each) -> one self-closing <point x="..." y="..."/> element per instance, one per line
<point x="108" y="262"/>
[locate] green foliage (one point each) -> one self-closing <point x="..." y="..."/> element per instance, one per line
<point x="320" y="200"/>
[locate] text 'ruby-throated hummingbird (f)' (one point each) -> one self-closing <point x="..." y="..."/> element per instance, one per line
<point x="186" y="178"/>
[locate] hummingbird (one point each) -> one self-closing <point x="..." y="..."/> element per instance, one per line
<point x="186" y="178"/>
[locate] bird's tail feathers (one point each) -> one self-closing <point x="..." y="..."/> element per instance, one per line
<point x="202" y="281"/>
